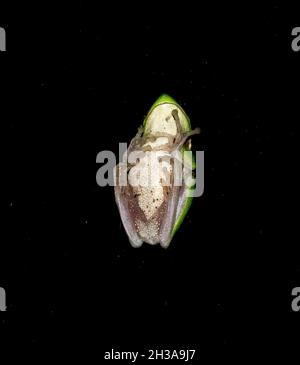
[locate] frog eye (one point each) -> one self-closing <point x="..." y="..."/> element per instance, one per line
<point x="152" y="205"/>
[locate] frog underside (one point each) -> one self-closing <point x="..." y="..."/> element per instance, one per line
<point x="150" y="203"/>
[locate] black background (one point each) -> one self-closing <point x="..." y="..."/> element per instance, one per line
<point x="79" y="78"/>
